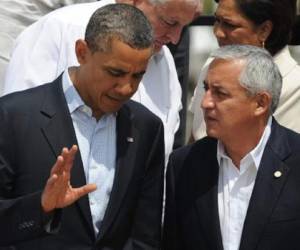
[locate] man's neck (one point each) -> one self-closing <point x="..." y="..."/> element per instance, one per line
<point x="238" y="147"/>
<point x="74" y="76"/>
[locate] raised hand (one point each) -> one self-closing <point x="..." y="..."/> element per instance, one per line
<point x="58" y="192"/>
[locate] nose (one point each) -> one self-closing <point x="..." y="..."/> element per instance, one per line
<point x="126" y="88"/>
<point x="174" y="34"/>
<point x="207" y="101"/>
<point x="218" y="30"/>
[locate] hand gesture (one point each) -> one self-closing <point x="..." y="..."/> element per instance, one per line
<point x="58" y="192"/>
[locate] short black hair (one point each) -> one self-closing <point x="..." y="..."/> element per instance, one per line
<point x="122" y="21"/>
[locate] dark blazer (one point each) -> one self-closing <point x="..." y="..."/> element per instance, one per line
<point x="34" y="126"/>
<point x="273" y="216"/>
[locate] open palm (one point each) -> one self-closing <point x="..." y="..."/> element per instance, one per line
<point x="58" y="192"/>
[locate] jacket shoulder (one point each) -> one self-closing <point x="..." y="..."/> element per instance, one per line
<point x="184" y="158"/>
<point x="25" y="100"/>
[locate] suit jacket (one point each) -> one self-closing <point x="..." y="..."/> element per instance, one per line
<point x="273" y="217"/>
<point x="35" y="125"/>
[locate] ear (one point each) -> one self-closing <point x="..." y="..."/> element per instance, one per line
<point x="263" y="103"/>
<point x="265" y="30"/>
<point x="82" y="51"/>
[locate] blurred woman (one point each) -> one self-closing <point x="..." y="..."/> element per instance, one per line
<point x="263" y="23"/>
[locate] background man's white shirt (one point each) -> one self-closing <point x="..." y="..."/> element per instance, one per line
<point x="46" y="48"/>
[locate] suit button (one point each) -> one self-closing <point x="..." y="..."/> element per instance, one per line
<point x="277" y="174"/>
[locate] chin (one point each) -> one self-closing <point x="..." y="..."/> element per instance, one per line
<point x="222" y="43"/>
<point x="212" y="133"/>
<point x="157" y="46"/>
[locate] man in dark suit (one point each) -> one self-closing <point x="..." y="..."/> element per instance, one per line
<point x="239" y="187"/>
<point x="120" y="161"/>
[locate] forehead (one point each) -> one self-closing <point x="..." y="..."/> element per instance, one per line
<point x="182" y="11"/>
<point x="229" y="9"/>
<point x="227" y="6"/>
<point x="121" y="54"/>
<point x="224" y="73"/>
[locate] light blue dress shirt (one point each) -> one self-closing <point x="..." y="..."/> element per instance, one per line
<point x="97" y="145"/>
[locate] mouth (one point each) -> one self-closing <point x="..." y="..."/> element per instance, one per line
<point x="209" y="118"/>
<point x="115" y="99"/>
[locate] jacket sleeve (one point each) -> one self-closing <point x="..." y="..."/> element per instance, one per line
<point x="21" y="217"/>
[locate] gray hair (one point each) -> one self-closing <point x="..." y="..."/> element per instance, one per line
<point x="122" y="21"/>
<point x="260" y="72"/>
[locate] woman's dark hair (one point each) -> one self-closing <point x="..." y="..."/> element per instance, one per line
<point x="282" y="14"/>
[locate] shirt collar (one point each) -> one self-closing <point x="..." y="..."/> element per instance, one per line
<point x="255" y="154"/>
<point x="159" y="54"/>
<point x="73" y="99"/>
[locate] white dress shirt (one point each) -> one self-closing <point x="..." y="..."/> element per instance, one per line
<point x="97" y="145"/>
<point x="287" y="112"/>
<point x="47" y="47"/>
<point x="235" y="188"/>
<point x="15" y="15"/>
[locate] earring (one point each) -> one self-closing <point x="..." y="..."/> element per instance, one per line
<point x="263" y="44"/>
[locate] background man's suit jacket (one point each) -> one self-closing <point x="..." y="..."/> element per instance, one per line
<point x="273" y="217"/>
<point x="34" y="126"/>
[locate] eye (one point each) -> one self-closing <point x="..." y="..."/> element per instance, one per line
<point x="168" y="23"/>
<point x="224" y="23"/>
<point x="229" y="25"/>
<point x="205" y="86"/>
<point x="220" y="93"/>
<point x="171" y="23"/>
<point x="115" y="73"/>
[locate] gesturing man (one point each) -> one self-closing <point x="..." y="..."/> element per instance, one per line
<point x="46" y="48"/>
<point x="120" y="143"/>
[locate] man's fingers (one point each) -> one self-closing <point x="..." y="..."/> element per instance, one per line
<point x="57" y="167"/>
<point x="81" y="191"/>
<point x="49" y="193"/>
<point x="51" y="181"/>
<point x="64" y="161"/>
<point x="69" y="157"/>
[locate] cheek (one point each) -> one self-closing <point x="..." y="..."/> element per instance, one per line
<point x="158" y="31"/>
<point x="228" y="113"/>
<point x="237" y="36"/>
<point x="97" y="91"/>
<point x="248" y="37"/>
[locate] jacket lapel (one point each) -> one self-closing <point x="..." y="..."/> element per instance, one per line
<point x="267" y="187"/>
<point x="59" y="133"/>
<point x="207" y="203"/>
<point x="127" y="142"/>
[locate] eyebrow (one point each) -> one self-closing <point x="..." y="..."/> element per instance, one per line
<point x="213" y="85"/>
